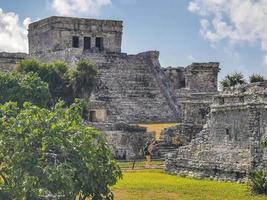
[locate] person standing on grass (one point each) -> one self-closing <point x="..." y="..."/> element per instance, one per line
<point x="148" y="151"/>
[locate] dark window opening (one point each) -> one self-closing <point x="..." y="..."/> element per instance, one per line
<point x="75" y="42"/>
<point x="87" y="43"/>
<point x="204" y="112"/>
<point x="99" y="43"/>
<point x="221" y="100"/>
<point x="182" y="84"/>
<point x="228" y="133"/>
<point x="92" y="117"/>
<point x="242" y="99"/>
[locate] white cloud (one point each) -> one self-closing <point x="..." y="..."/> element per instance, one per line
<point x="193" y="7"/>
<point x="13" y="35"/>
<point x="76" y="7"/>
<point x="238" y="21"/>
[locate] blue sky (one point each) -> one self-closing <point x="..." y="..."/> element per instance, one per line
<point x="184" y="31"/>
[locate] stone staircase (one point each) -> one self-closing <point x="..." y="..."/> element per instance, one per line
<point x="163" y="148"/>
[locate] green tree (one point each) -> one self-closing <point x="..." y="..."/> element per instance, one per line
<point x="256" y="78"/>
<point x="64" y="83"/>
<point x="53" y="153"/>
<point x="56" y="74"/>
<point x="23" y="87"/>
<point x="233" y="80"/>
<point x="84" y="79"/>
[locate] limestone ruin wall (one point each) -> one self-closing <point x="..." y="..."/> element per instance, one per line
<point x="194" y="88"/>
<point x="60" y="33"/>
<point x="130" y="88"/>
<point x="8" y="61"/>
<point x="133" y="87"/>
<point x="229" y="147"/>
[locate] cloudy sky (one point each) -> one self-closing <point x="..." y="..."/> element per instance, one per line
<point x="232" y="32"/>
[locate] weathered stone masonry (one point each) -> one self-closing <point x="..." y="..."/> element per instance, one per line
<point x="60" y="33"/>
<point x="194" y="89"/>
<point x="129" y="84"/>
<point x="229" y="147"/>
<point x="133" y="87"/>
<point x="130" y="88"/>
<point x="8" y="61"/>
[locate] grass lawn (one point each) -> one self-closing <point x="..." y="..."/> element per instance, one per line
<point x="157" y="128"/>
<point x="157" y="185"/>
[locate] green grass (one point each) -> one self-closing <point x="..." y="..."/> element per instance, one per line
<point x="157" y="185"/>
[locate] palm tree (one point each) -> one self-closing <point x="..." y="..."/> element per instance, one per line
<point x="256" y="78"/>
<point x="84" y="79"/>
<point x="233" y="80"/>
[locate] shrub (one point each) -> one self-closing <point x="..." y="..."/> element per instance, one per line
<point x="233" y="80"/>
<point x="52" y="153"/>
<point x="23" y="87"/>
<point x="258" y="178"/>
<point x="64" y="83"/>
<point x="256" y="78"/>
<point x="56" y="74"/>
<point x="258" y="181"/>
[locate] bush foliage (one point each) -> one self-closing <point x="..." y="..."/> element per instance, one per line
<point x="52" y="153"/>
<point x="232" y="80"/>
<point x="23" y="87"/>
<point x="83" y="79"/>
<point x="64" y="83"/>
<point x="258" y="178"/>
<point x="258" y="181"/>
<point x="254" y="78"/>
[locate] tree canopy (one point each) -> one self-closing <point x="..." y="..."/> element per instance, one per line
<point x="254" y="78"/>
<point x="233" y="80"/>
<point x="23" y="87"/>
<point x="52" y="153"/>
<point x="64" y="82"/>
<point x="83" y="79"/>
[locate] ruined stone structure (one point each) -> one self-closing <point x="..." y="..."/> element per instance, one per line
<point x="217" y="136"/>
<point x="133" y="87"/>
<point x="194" y="87"/>
<point x="126" y="141"/>
<point x="229" y="147"/>
<point x="86" y="35"/>
<point x="97" y="112"/>
<point x="130" y="88"/>
<point x="8" y="61"/>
